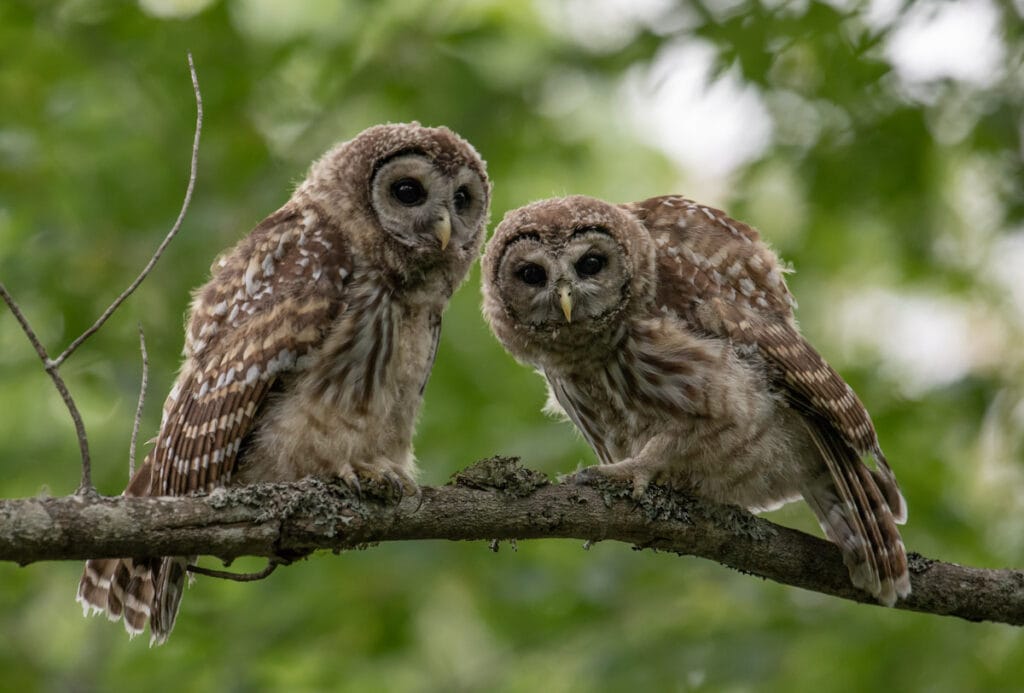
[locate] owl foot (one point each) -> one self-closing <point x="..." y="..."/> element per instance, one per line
<point x="402" y="484"/>
<point x="392" y="481"/>
<point x="632" y="471"/>
<point x="349" y="477"/>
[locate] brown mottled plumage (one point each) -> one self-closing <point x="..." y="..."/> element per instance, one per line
<point x="308" y="351"/>
<point x="665" y="332"/>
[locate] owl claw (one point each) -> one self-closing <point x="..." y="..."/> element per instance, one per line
<point x="385" y="479"/>
<point x="352" y="481"/>
<point x="401" y="485"/>
<point x="396" y="484"/>
<point x="388" y="482"/>
<point x="629" y="471"/>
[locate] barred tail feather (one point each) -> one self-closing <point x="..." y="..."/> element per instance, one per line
<point x="858" y="509"/>
<point x="135" y="590"/>
<point x="118" y="588"/>
<point x="892" y="555"/>
<point x="886" y="482"/>
<point x="94" y="588"/>
<point x="170" y="585"/>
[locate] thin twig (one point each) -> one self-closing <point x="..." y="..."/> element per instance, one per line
<point x="29" y="332"/>
<point x="51" y="365"/>
<point x="142" y="401"/>
<point x="167" y="239"/>
<point x="85" y="487"/>
<point x="236" y="577"/>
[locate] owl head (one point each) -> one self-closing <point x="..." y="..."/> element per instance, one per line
<point x="412" y="198"/>
<point x="561" y="275"/>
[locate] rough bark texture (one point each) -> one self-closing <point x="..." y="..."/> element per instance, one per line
<point x="493" y="499"/>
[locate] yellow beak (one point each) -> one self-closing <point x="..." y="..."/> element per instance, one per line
<point x="565" y="298"/>
<point x="443" y="229"/>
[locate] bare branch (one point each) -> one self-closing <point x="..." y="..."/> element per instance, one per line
<point x="25" y="326"/>
<point x="507" y="502"/>
<point x="167" y="239"/>
<point x="142" y="401"/>
<point x="52" y="365"/>
<point x="85" y="487"/>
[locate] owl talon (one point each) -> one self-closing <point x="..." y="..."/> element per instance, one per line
<point x="582" y="477"/>
<point x="401" y="485"/>
<point x="402" y="482"/>
<point x="352" y="481"/>
<point x="628" y="471"/>
<point x="640" y="485"/>
<point x="418" y="495"/>
<point x="397" y="484"/>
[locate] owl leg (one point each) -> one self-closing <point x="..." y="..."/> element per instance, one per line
<point x="639" y="470"/>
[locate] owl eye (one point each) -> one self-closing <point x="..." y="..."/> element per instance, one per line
<point x="532" y="274"/>
<point x="461" y="198"/>
<point x="589" y="265"/>
<point x="409" y="192"/>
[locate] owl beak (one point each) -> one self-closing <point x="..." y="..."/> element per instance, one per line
<point x="565" y="298"/>
<point x="443" y="229"/>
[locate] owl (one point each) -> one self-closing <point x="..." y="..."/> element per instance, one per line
<point x="308" y="351"/>
<point x="665" y="332"/>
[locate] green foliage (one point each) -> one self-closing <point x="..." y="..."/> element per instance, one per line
<point x="900" y="203"/>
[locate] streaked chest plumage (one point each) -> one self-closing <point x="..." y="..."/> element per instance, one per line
<point x="721" y="429"/>
<point x="355" y="398"/>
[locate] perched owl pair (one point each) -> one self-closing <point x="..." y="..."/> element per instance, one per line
<point x="664" y="330"/>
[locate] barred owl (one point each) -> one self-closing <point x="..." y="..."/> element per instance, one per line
<point x="665" y="332"/>
<point x="308" y="351"/>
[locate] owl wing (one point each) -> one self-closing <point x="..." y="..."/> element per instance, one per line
<point x="270" y="302"/>
<point x="716" y="274"/>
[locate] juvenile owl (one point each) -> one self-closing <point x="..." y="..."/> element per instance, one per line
<point x="665" y="332"/>
<point x="308" y="350"/>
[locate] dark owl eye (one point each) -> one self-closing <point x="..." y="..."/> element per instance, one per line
<point x="409" y="192"/>
<point x="461" y="198"/>
<point x="532" y="274"/>
<point x="589" y="265"/>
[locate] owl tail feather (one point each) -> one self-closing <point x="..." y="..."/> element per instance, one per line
<point x="858" y="508"/>
<point x="135" y="589"/>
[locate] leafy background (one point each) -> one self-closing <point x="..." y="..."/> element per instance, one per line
<point x="877" y="146"/>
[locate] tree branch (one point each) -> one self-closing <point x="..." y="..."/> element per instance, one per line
<point x="494" y="499"/>
<point x="52" y="365"/>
